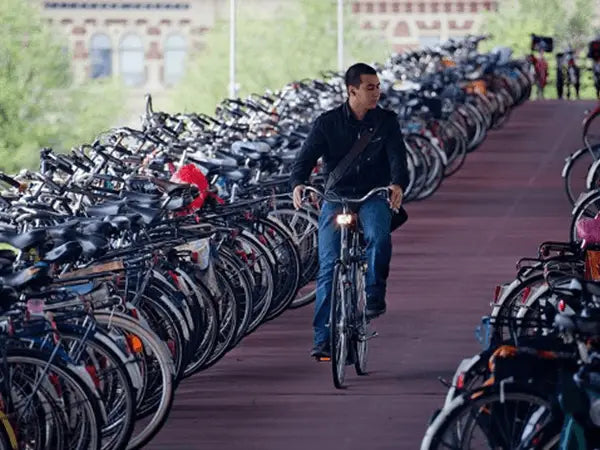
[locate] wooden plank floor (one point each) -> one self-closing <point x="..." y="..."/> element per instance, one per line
<point x="269" y="395"/>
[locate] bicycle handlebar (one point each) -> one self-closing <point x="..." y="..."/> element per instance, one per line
<point x="338" y="199"/>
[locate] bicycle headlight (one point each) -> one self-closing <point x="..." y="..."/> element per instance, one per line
<point x="344" y="220"/>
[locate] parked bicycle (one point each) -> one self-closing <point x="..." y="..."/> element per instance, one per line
<point x="144" y="257"/>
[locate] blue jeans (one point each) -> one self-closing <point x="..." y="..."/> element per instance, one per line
<point x="375" y="219"/>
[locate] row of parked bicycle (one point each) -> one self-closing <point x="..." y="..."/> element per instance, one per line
<point x="143" y="258"/>
<point x="536" y="383"/>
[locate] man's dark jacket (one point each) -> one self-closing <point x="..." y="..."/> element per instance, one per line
<point x="334" y="132"/>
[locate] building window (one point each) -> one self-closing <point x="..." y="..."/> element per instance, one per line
<point x="175" y="55"/>
<point x="429" y="41"/>
<point x="131" y="60"/>
<point x="100" y="56"/>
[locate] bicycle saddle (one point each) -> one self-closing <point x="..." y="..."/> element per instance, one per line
<point x="237" y="175"/>
<point x="148" y="215"/>
<point x="287" y="157"/>
<point x="98" y="227"/>
<point x="5" y="264"/>
<point x="142" y="197"/>
<point x="106" y="209"/>
<point x="216" y="163"/>
<point x="251" y="146"/>
<point x="124" y="222"/>
<point x="59" y="231"/>
<point x="23" y="277"/>
<point x="24" y="241"/>
<point x="68" y="252"/>
<point x="173" y="189"/>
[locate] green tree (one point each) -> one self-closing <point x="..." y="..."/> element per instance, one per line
<point x="38" y="105"/>
<point x="569" y="23"/>
<point x="293" y="43"/>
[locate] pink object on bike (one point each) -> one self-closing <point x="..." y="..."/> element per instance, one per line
<point x="588" y="230"/>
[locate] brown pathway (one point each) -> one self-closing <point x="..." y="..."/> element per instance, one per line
<point x="268" y="394"/>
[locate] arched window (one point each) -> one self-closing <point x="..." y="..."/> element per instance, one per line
<point x="131" y="60"/>
<point x="175" y="54"/>
<point x="100" y="56"/>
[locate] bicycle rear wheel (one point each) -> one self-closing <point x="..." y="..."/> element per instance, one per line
<point x="338" y="326"/>
<point x="493" y="417"/>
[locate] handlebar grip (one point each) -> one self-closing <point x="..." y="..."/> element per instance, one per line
<point x="9" y="180"/>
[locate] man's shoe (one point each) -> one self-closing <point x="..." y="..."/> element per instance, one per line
<point x="375" y="308"/>
<point x="321" y="351"/>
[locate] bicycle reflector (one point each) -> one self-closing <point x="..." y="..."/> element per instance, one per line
<point x="343" y="220"/>
<point x="135" y="343"/>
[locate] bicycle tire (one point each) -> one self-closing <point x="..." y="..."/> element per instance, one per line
<point x="155" y="350"/>
<point x="447" y="431"/>
<point x="338" y="327"/>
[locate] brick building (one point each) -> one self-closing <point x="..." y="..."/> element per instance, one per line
<point x="410" y="24"/>
<point x="147" y="42"/>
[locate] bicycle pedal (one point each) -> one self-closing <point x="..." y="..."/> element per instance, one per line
<point x="369" y="336"/>
<point x="323" y="358"/>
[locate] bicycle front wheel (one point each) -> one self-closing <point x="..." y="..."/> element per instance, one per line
<point x="338" y="326"/>
<point x="361" y="339"/>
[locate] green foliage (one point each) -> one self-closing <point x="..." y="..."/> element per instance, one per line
<point x="38" y="105"/>
<point x="569" y="23"/>
<point x="296" y="42"/>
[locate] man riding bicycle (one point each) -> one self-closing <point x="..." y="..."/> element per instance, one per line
<point x="381" y="163"/>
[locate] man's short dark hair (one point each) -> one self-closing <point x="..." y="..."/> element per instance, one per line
<point x="352" y="77"/>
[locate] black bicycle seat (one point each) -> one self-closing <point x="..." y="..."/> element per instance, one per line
<point x="148" y="215"/>
<point x="173" y="189"/>
<point x="8" y="255"/>
<point x="98" y="227"/>
<point x="92" y="245"/>
<point x="147" y="203"/>
<point x="23" y="277"/>
<point x="59" y="231"/>
<point x="24" y="241"/>
<point x="68" y="252"/>
<point x="141" y="197"/>
<point x="105" y="209"/>
<point x="124" y="222"/>
<point x="237" y="174"/>
<point x="5" y="264"/>
<point x="251" y="147"/>
<point x="287" y="157"/>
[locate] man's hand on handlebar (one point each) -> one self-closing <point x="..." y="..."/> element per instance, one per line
<point x="396" y="195"/>
<point x="297" y="196"/>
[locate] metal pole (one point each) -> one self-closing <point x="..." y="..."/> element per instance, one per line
<point x="232" y="84"/>
<point x="340" y="34"/>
